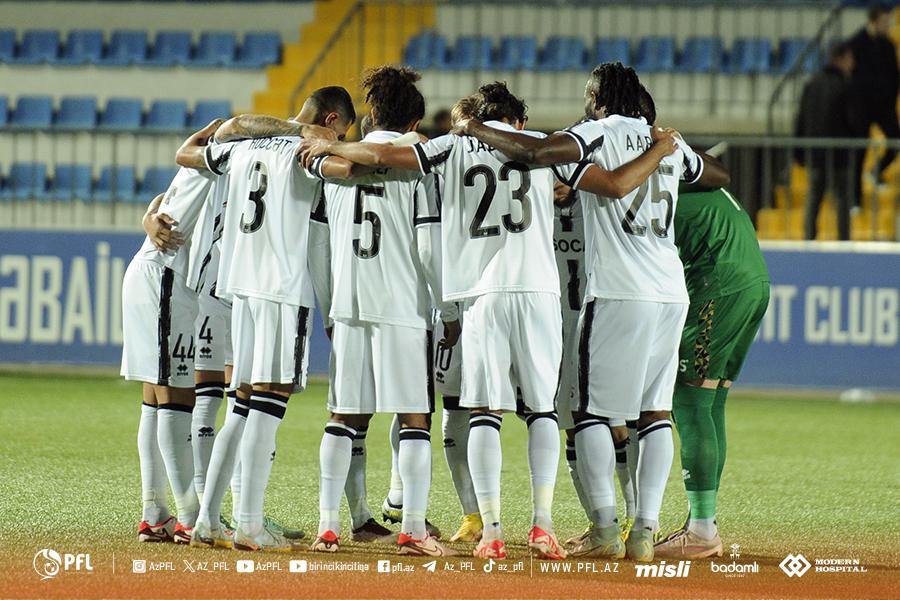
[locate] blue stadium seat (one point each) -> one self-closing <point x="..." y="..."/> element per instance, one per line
<point x="426" y="50"/>
<point x="260" y="48"/>
<point x="216" y="49"/>
<point x="612" y="50"/>
<point x="471" y="52"/>
<point x="71" y="182"/>
<point x="655" y="54"/>
<point x="7" y="45"/>
<point x="750" y="56"/>
<point x="4" y="111"/>
<point x="33" y="112"/>
<point x="126" y="47"/>
<point x="790" y="50"/>
<point x="39" y="46"/>
<point x="701" y="55"/>
<point x="207" y="110"/>
<point x="170" y="48"/>
<point x="115" y="183"/>
<point x="121" y="113"/>
<point x="167" y="115"/>
<point x="562" y="53"/>
<point x="156" y="181"/>
<point x="79" y="112"/>
<point x="83" y="46"/>
<point x="517" y="52"/>
<point x="28" y="181"/>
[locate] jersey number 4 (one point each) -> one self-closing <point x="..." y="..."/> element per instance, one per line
<point x="477" y="229"/>
<point x="649" y="189"/>
<point x="259" y="181"/>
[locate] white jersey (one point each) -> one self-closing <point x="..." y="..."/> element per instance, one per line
<point x="568" y="242"/>
<point x="630" y="251"/>
<point x="376" y="272"/>
<point x="206" y="243"/>
<point x="185" y="200"/>
<point x="266" y="232"/>
<point x="497" y="218"/>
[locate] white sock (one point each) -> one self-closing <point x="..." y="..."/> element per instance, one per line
<point x="455" y="427"/>
<point x="572" y="462"/>
<point x="543" y="461"/>
<point x="632" y="453"/>
<point x="236" y="474"/>
<point x="208" y="399"/>
<point x="257" y="455"/>
<point x="395" y="494"/>
<point x="222" y="462"/>
<point x="485" y="462"/>
<point x="704" y="528"/>
<point x="153" y="469"/>
<point x="355" y="487"/>
<point x="596" y="468"/>
<point x="654" y="464"/>
<point x="623" y="474"/>
<point x="415" y="470"/>
<point x="334" y="464"/>
<point x="173" y="432"/>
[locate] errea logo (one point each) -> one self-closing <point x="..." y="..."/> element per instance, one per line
<point x="49" y="563"/>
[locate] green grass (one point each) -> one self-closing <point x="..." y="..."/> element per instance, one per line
<point x="802" y="475"/>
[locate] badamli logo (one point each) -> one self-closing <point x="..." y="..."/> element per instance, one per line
<point x="795" y="566"/>
<point x="680" y="569"/>
<point x="734" y="568"/>
<point x="50" y="563"/>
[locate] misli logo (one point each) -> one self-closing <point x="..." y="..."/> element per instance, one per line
<point x="795" y="566"/>
<point x="680" y="569"/>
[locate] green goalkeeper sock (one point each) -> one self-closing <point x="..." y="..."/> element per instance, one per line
<point x="693" y="410"/>
<point x="718" y="415"/>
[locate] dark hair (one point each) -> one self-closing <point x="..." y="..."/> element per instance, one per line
<point x="838" y="49"/>
<point x="365" y="125"/>
<point x="498" y="103"/>
<point x="441" y="115"/>
<point x="648" y="106"/>
<point x="393" y="96"/>
<point x="618" y="88"/>
<point x="333" y="99"/>
<point x="878" y="9"/>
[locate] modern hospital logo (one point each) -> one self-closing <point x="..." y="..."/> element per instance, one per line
<point x="49" y="563"/>
<point x="795" y="566"/>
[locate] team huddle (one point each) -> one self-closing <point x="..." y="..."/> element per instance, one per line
<point x="510" y="271"/>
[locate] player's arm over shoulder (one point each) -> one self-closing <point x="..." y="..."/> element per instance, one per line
<point x="551" y="150"/>
<point x="702" y="169"/>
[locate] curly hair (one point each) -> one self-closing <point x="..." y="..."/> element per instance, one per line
<point x="498" y="103"/>
<point x="617" y="88"/>
<point x="392" y="93"/>
<point x="648" y="106"/>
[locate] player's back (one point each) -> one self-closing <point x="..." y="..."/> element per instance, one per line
<point x="266" y="232"/>
<point x="496" y="218"/>
<point x="568" y="243"/>
<point x="717" y="243"/>
<point x="630" y="249"/>
<point x="376" y="273"/>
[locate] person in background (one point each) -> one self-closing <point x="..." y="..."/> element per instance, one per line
<point x="441" y="123"/>
<point x="828" y="109"/>
<point x="876" y="79"/>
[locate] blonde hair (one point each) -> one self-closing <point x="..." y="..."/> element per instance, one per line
<point x="465" y="108"/>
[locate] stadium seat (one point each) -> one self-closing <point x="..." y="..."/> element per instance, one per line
<point x="7" y="45"/>
<point x="70" y="182"/>
<point x="121" y="113"/>
<point x="471" y="52"/>
<point x="216" y="49"/>
<point x="115" y="183"/>
<point x="170" y="48"/>
<point x="517" y="52"/>
<point x="156" y="181"/>
<point x="4" y="111"/>
<point x="126" y="47"/>
<point x="28" y="181"/>
<point x="751" y="56"/>
<point x="426" y="50"/>
<point x="562" y="53"/>
<point x="33" y="112"/>
<point x="789" y="51"/>
<point x="79" y="112"/>
<point x="83" y="46"/>
<point x="612" y="50"/>
<point x="655" y="55"/>
<point x="167" y="115"/>
<point x="701" y="55"/>
<point x="39" y="46"/>
<point x="260" y="48"/>
<point x="207" y="110"/>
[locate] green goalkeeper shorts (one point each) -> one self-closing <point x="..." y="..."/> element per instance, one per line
<point x="718" y="334"/>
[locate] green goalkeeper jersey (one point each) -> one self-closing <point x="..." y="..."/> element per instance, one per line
<point x="717" y="244"/>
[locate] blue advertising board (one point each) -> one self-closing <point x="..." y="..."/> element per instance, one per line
<point x="833" y="320"/>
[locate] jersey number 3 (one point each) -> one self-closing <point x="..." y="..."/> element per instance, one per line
<point x="259" y="181"/>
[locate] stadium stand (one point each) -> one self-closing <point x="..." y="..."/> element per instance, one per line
<point x="70" y="182"/>
<point x="33" y="111"/>
<point x="77" y="113"/>
<point x="83" y="46"/>
<point x="117" y="183"/>
<point x="121" y="113"/>
<point x="167" y="115"/>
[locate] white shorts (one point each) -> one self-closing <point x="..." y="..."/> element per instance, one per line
<point x="628" y="356"/>
<point x="213" y="332"/>
<point x="447" y="364"/>
<point x="380" y="368"/>
<point x="158" y="312"/>
<point x="271" y="342"/>
<point x="511" y="338"/>
<point x="567" y="396"/>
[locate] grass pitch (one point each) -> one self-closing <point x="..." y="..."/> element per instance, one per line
<point x="810" y="476"/>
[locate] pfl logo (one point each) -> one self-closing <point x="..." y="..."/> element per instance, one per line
<point x="48" y="563"/>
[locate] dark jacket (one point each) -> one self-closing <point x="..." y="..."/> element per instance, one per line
<point x="876" y="77"/>
<point x="828" y="109"/>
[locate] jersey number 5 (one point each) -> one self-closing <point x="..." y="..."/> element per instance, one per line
<point x="360" y="215"/>
<point x="477" y="228"/>
<point x="259" y="181"/>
